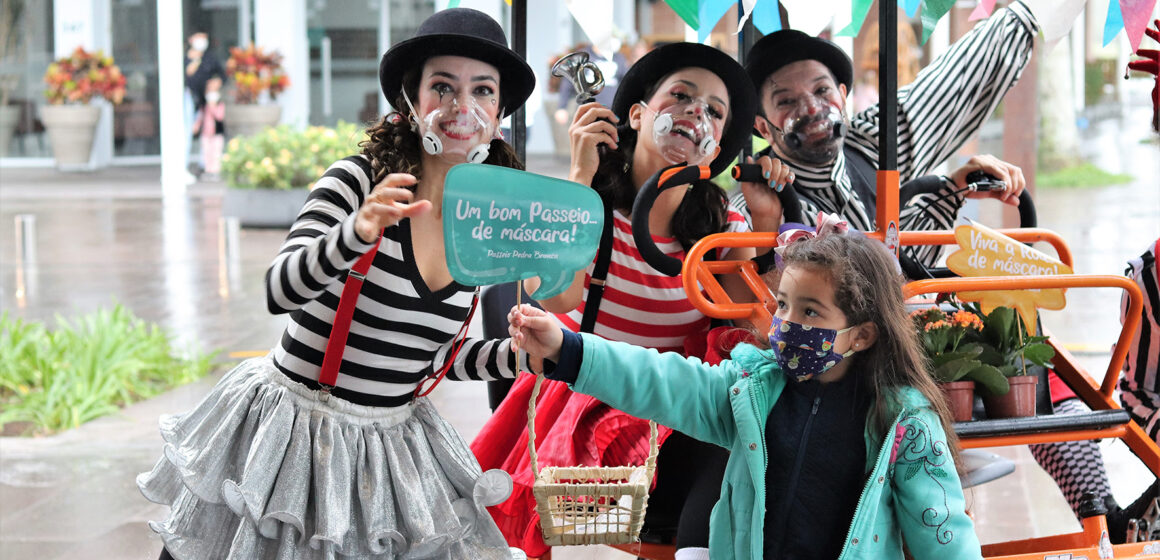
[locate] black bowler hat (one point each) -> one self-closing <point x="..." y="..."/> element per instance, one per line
<point x="665" y="60"/>
<point x="783" y="47"/>
<point x="460" y="32"/>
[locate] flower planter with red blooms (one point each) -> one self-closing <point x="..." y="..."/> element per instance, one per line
<point x="71" y="116"/>
<point x="257" y="80"/>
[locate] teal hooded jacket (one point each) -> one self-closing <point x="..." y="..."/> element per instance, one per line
<point x="912" y="496"/>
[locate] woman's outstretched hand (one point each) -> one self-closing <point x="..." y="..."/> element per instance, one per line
<point x="388" y="203"/>
<point x="533" y="331"/>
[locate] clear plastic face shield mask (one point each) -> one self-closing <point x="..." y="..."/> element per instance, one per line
<point x="813" y="122"/>
<point x="684" y="132"/>
<point x="458" y="130"/>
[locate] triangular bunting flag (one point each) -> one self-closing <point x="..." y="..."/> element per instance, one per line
<point x="767" y="18"/>
<point x="932" y="11"/>
<point x="709" y="14"/>
<point x="747" y="7"/>
<point x="983" y="10"/>
<point x="1114" y="22"/>
<point x="858" y="11"/>
<point x="911" y="6"/>
<point x="1137" y="14"/>
<point x="689" y="11"/>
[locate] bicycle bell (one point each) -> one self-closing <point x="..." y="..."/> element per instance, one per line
<point x="584" y="75"/>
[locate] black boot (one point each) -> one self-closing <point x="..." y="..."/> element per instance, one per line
<point x="1118" y="517"/>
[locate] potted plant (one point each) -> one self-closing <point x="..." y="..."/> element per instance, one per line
<point x="11" y="54"/>
<point x="269" y="175"/>
<point x="1005" y="345"/>
<point x="950" y="341"/>
<point x="70" y="117"/>
<point x="258" y="79"/>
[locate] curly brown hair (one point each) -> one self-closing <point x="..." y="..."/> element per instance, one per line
<point x="392" y="145"/>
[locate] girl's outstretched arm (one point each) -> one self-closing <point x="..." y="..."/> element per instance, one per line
<point x="681" y="393"/>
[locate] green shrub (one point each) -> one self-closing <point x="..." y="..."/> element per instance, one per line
<point x="283" y="157"/>
<point x="85" y="368"/>
<point x="1082" y="175"/>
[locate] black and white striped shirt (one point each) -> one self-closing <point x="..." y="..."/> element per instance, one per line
<point x="937" y="113"/>
<point x="1140" y="384"/>
<point x="400" y="332"/>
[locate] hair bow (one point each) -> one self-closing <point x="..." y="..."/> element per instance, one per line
<point x="827" y="224"/>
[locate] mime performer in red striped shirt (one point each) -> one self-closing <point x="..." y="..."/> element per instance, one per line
<point x="682" y="102"/>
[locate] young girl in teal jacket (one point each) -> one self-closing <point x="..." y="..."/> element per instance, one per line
<point x="839" y="441"/>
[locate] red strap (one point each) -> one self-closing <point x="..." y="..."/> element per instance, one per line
<point x="456" y="345"/>
<point x="335" y="346"/>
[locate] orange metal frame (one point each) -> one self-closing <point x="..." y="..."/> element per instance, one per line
<point x="707" y="295"/>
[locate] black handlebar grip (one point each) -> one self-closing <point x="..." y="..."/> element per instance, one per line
<point x="667" y="178"/>
<point x="791" y="206"/>
<point x="748" y="173"/>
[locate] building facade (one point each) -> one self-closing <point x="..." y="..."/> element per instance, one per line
<point x="330" y="49"/>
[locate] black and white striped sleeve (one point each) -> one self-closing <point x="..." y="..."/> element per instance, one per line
<point x="936" y="210"/>
<point x="952" y="97"/>
<point x="480" y="360"/>
<point x="809" y="209"/>
<point x="322" y="243"/>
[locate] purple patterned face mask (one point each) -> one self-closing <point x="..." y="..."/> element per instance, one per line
<point x="803" y="351"/>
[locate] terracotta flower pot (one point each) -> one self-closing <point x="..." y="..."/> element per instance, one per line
<point x="1017" y="403"/>
<point x="248" y="120"/>
<point x="961" y="398"/>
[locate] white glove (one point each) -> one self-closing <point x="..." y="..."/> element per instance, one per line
<point x="1055" y="17"/>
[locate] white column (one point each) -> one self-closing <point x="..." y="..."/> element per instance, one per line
<point x="1078" y="49"/>
<point x="281" y="26"/>
<point x="624" y="17"/>
<point x="171" y="94"/>
<point x="245" y="22"/>
<point x="384" y="44"/>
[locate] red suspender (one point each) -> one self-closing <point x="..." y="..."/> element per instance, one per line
<point x="335" y="345"/>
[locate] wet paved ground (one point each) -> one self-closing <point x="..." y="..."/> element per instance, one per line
<point x="110" y="237"/>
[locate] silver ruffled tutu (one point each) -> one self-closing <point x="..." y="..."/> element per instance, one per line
<point x="265" y="468"/>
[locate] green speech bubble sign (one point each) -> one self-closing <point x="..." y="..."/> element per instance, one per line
<point x="501" y="225"/>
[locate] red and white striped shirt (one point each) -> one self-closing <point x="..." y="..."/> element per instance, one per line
<point x="641" y="306"/>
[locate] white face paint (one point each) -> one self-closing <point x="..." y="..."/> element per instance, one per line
<point x="805" y="110"/>
<point x="683" y="132"/>
<point x="688" y="109"/>
<point x="458" y="113"/>
<point x="199" y="44"/>
<point x="460" y="132"/>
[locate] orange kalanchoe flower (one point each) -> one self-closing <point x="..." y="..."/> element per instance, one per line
<point x="967" y="320"/>
<point x="936" y="325"/>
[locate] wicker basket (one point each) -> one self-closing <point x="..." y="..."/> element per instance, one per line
<point x="590" y="505"/>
